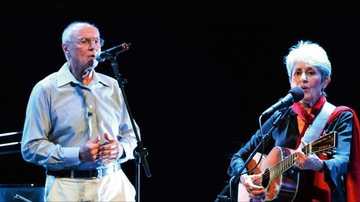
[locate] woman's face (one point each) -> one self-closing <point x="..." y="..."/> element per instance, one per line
<point x="309" y="79"/>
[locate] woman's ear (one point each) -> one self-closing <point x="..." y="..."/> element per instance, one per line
<point x="326" y="82"/>
<point x="292" y="83"/>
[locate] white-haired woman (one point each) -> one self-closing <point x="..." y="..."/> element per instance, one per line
<point x="295" y="166"/>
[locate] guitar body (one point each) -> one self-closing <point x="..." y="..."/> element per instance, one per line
<point x="281" y="188"/>
<point x="279" y="178"/>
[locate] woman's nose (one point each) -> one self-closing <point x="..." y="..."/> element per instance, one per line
<point x="303" y="77"/>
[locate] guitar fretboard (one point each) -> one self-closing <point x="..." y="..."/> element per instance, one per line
<point x="321" y="144"/>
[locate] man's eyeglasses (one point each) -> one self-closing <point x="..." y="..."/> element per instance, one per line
<point x="84" y="41"/>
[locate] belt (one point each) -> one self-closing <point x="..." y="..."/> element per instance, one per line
<point x="94" y="173"/>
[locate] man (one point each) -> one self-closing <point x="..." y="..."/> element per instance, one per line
<point x="77" y="126"/>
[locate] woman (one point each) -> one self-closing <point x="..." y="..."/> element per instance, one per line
<point x="322" y="176"/>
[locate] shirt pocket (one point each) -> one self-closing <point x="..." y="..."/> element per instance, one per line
<point x="69" y="118"/>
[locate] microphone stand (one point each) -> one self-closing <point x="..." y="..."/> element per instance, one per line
<point x="232" y="191"/>
<point x="140" y="152"/>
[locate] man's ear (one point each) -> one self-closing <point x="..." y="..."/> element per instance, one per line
<point x="65" y="48"/>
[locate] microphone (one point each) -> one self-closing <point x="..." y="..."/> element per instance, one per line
<point x="294" y="95"/>
<point x="111" y="52"/>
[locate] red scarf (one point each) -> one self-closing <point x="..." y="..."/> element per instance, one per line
<point x="307" y="117"/>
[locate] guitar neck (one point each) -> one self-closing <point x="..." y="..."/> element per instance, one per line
<point x="281" y="167"/>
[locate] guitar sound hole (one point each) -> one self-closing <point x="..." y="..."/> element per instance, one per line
<point x="266" y="178"/>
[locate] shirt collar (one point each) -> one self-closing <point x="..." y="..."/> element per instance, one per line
<point x="64" y="76"/>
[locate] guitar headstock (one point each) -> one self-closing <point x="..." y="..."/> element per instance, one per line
<point x="323" y="143"/>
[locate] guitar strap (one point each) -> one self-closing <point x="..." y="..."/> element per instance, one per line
<point x="316" y="128"/>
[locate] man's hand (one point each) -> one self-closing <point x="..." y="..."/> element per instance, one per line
<point x="89" y="151"/>
<point x="111" y="150"/>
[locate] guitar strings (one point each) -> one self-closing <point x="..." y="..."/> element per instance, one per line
<point x="321" y="144"/>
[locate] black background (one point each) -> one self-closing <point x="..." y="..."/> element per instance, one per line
<point x="198" y="79"/>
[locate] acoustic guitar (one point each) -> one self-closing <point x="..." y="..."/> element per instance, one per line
<point x="280" y="178"/>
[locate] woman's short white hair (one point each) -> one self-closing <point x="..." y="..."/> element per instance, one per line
<point x="310" y="53"/>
